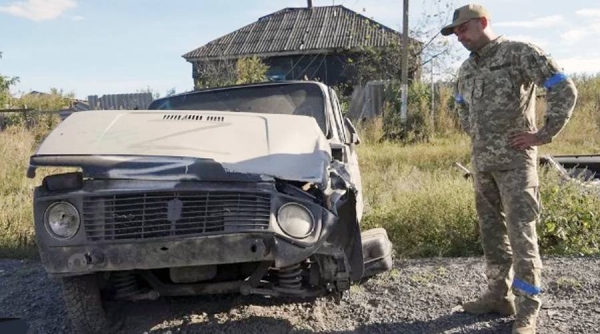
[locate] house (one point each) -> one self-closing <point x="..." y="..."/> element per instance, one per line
<point x="300" y="43"/>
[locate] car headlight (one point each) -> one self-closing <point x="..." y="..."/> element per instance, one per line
<point x="62" y="220"/>
<point x="295" y="220"/>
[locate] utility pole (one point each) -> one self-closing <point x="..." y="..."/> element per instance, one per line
<point x="432" y="95"/>
<point x="404" y="70"/>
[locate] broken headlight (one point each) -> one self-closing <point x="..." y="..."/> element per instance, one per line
<point x="295" y="220"/>
<point x="62" y="220"/>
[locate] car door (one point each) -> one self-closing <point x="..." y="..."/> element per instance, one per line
<point x="350" y="139"/>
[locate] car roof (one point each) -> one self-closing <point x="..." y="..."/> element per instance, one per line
<point x="237" y="86"/>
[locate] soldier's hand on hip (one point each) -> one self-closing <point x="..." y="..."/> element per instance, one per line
<point x="525" y="140"/>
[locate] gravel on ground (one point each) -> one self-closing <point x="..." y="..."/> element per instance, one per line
<point x="417" y="296"/>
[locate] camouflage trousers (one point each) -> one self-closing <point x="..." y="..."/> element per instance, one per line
<point x="508" y="206"/>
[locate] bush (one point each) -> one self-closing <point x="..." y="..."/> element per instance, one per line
<point x="53" y="101"/>
<point x="39" y="111"/>
<point x="428" y="207"/>
<point x="219" y="73"/>
<point x="251" y="70"/>
<point x="569" y="222"/>
<point x="421" y="124"/>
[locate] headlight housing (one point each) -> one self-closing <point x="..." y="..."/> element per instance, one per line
<point x="295" y="220"/>
<point x="62" y="220"/>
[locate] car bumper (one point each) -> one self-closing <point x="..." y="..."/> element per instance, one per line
<point x="198" y="251"/>
<point x="90" y="252"/>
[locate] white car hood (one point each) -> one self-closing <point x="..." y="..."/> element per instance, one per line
<point x="283" y="146"/>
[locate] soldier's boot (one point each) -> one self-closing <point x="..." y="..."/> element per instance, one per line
<point x="491" y="303"/>
<point x="527" y="309"/>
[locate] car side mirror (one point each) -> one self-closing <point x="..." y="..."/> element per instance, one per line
<point x="354" y="137"/>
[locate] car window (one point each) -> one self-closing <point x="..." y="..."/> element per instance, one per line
<point x="289" y="99"/>
<point x="337" y="112"/>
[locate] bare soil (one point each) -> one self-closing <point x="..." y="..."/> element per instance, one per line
<point x="418" y="296"/>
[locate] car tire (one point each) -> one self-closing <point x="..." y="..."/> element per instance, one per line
<point x="84" y="304"/>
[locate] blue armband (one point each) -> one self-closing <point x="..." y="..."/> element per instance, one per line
<point x="526" y="287"/>
<point x="553" y="80"/>
<point x="459" y="99"/>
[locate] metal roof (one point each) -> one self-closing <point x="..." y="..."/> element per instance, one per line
<point x="298" y="31"/>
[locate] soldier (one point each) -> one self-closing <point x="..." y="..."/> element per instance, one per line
<point x="496" y="93"/>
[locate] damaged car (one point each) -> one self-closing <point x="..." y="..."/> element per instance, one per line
<point x="249" y="189"/>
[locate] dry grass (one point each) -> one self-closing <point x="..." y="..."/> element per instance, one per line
<point x="17" y="144"/>
<point x="414" y="191"/>
<point x="16" y="220"/>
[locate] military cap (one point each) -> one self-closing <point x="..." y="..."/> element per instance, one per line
<point x="464" y="14"/>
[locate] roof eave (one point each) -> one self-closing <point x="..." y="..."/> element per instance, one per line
<point x="279" y="54"/>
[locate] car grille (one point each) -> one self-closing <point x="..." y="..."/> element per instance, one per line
<point x="170" y="214"/>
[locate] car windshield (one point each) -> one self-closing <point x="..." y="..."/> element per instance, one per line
<point x="289" y="99"/>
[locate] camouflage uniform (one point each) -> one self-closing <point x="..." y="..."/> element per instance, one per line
<point x="496" y="93"/>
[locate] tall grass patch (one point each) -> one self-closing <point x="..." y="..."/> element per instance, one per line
<point x="17" y="143"/>
<point x="16" y="219"/>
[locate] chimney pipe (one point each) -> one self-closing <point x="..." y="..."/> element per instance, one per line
<point x="309" y="3"/>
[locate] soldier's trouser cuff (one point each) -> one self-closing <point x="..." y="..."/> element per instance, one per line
<point x="525" y="287"/>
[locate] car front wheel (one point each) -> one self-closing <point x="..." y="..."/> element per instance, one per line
<point x="84" y="304"/>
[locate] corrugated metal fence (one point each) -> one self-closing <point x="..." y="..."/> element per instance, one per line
<point x="120" y="101"/>
<point x="367" y="101"/>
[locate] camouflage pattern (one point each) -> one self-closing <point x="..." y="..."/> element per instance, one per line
<point x="496" y="93"/>
<point x="508" y="206"/>
<point x="496" y="98"/>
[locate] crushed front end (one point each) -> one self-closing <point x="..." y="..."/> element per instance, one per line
<point x="164" y="237"/>
<point x="183" y="203"/>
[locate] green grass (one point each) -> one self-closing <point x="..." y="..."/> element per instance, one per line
<point x="427" y="207"/>
<point x="421" y="199"/>
<point x="413" y="190"/>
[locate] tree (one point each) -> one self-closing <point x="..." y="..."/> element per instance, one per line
<point x="251" y="70"/>
<point x="155" y="94"/>
<point x="215" y="73"/>
<point x="428" y="45"/>
<point x="435" y="15"/>
<point x="5" y="84"/>
<point x="171" y="92"/>
<point x="226" y="72"/>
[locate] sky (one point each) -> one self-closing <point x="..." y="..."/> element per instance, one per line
<point x="98" y="47"/>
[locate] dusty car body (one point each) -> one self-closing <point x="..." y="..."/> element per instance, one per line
<point x="251" y="189"/>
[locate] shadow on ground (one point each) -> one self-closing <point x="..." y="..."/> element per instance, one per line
<point x="454" y="323"/>
<point x="214" y="316"/>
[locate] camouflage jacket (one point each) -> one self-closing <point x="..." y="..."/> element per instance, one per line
<point x="496" y="93"/>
